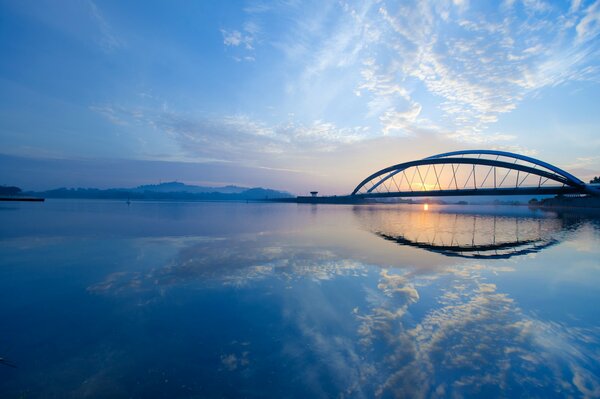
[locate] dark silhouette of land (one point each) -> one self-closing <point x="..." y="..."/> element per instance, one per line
<point x="13" y="193"/>
<point x="10" y="190"/>
<point x="166" y="191"/>
<point x="559" y="201"/>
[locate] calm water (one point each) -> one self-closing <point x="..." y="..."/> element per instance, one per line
<point x="195" y="300"/>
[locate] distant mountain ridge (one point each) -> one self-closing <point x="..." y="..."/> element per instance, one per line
<point x="176" y="187"/>
<point x="167" y="191"/>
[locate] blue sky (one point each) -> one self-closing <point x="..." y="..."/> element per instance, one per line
<point x="288" y="94"/>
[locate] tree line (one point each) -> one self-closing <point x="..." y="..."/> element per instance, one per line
<point x="10" y="190"/>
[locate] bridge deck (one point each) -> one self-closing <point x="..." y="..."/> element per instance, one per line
<point x="479" y="191"/>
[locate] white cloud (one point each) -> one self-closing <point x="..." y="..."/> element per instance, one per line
<point x="233" y="38"/>
<point x="589" y="26"/>
<point x="243" y="40"/>
<point x="536" y="5"/>
<point x="575" y="4"/>
<point x="236" y="38"/>
<point x="480" y="66"/>
<point x="409" y="61"/>
<point x="393" y="120"/>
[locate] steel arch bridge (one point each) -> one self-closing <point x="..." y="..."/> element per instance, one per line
<point x="471" y="172"/>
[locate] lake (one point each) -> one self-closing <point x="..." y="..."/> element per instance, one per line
<point x="192" y="300"/>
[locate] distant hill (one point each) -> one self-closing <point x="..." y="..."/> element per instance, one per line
<point x="176" y="187"/>
<point x="167" y="191"/>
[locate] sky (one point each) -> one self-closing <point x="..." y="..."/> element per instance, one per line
<point x="291" y="95"/>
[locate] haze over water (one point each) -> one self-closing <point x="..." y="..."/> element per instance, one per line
<point x="184" y="300"/>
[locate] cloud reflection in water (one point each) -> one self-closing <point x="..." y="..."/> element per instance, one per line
<point x="442" y="332"/>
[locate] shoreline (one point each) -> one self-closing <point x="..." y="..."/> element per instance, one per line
<point x="26" y="199"/>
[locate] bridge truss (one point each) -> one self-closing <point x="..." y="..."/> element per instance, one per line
<point x="471" y="172"/>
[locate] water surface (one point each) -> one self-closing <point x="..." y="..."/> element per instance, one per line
<point x="189" y="300"/>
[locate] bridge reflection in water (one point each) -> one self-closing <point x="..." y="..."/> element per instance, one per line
<point x="477" y="236"/>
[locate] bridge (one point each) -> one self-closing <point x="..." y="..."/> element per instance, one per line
<point x="471" y="172"/>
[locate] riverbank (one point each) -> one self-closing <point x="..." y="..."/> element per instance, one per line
<point x="27" y="199"/>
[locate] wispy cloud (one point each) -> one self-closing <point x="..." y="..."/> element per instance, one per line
<point x="243" y="39"/>
<point x="236" y="38"/>
<point x="446" y="66"/>
<point x="108" y="40"/>
<point x="236" y="137"/>
<point x="477" y="66"/>
<point x="589" y="26"/>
